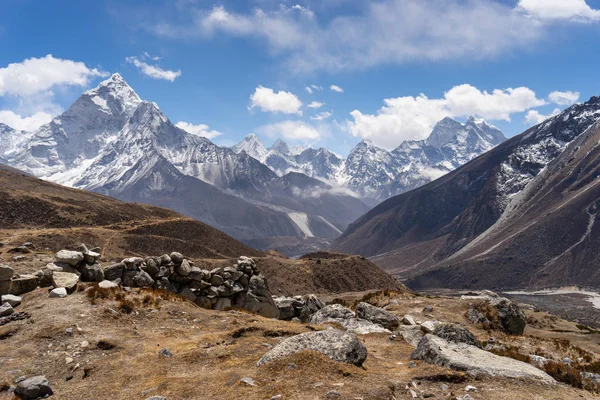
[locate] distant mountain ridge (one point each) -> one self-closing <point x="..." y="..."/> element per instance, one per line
<point x="375" y="173"/>
<point x="520" y="216"/>
<point x="112" y="142"/>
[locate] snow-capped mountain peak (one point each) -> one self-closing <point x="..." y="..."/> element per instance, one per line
<point x="252" y="145"/>
<point x="113" y="95"/>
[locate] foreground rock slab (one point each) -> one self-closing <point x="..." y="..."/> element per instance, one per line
<point x="335" y="344"/>
<point x="474" y="361"/>
<point x="34" y="388"/>
<point x="377" y="316"/>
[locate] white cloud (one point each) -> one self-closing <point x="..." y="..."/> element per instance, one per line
<point x="148" y="56"/>
<point x="534" y="117"/>
<point x="30" y="84"/>
<point x="381" y="33"/>
<point x="20" y="123"/>
<point x="154" y="71"/>
<point x="37" y="75"/>
<point x="290" y="130"/>
<point x="198" y="130"/>
<point x="336" y="88"/>
<point x="322" y="116"/>
<point x="267" y="100"/>
<point x="564" y="98"/>
<point x="316" y="104"/>
<point x="413" y="118"/>
<point x="309" y="90"/>
<point x="577" y="10"/>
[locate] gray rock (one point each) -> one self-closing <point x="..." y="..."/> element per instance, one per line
<point x="311" y="305"/>
<point x="333" y="394"/>
<point x="6" y="273"/>
<point x="164" y="352"/>
<point x="377" y="316"/>
<point x="107" y="285"/>
<point x="411" y="333"/>
<point x="216" y="280"/>
<point x="133" y="263"/>
<point x="188" y="294"/>
<point x="337" y="345"/>
<point x="6" y="310"/>
<point x="157" y="398"/>
<point x="183" y="268"/>
<point x="92" y="273"/>
<point x="591" y="376"/>
<point x="177" y="258"/>
<point x="44" y="277"/>
<point x="428" y="309"/>
<point x="58" y="293"/>
<point x="362" y="326"/>
<point x="204" y="302"/>
<point x="65" y="280"/>
<point x="258" y="299"/>
<point x="511" y="317"/>
<point x="165" y="284"/>
<point x="137" y="279"/>
<point x="34" y="388"/>
<point x="114" y="272"/>
<point x="429" y="326"/>
<point x="13" y="300"/>
<point x="222" y="304"/>
<point x="152" y="267"/>
<point x="18" y="286"/>
<point x="408" y="320"/>
<point x="333" y="312"/>
<point x="91" y="257"/>
<point x="288" y="307"/>
<point x="457" y="334"/>
<point x="473" y="360"/>
<point x="69" y="257"/>
<point x="165" y="259"/>
<point x="196" y="274"/>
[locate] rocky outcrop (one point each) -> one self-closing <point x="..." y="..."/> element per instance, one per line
<point x="337" y="345"/>
<point x="493" y="311"/>
<point x="456" y="334"/>
<point x="301" y="307"/>
<point x="258" y="299"/>
<point x="339" y="314"/>
<point x="377" y="316"/>
<point x="473" y="360"/>
<point x="6" y="273"/>
<point x="18" y="285"/>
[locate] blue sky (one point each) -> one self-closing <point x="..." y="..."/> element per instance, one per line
<point x="229" y="68"/>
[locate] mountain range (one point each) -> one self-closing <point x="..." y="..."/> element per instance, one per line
<point x="376" y="174"/>
<point x="520" y="216"/>
<point x="112" y="142"/>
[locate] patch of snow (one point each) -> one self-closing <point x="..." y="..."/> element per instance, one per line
<point x="301" y="221"/>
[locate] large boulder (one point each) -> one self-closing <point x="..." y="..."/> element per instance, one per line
<point x="456" y="334"/>
<point x="69" y="257"/>
<point x="258" y="299"/>
<point x="13" y="300"/>
<point x="337" y="345"/>
<point x="92" y="273"/>
<point x="6" y="309"/>
<point x="473" y="360"/>
<point x="332" y="313"/>
<point x="137" y="279"/>
<point x="6" y="273"/>
<point x="34" y="388"/>
<point x="65" y="280"/>
<point x="288" y="307"/>
<point x="511" y="317"/>
<point x="377" y="316"/>
<point x="18" y="286"/>
<point x="177" y="258"/>
<point x="311" y="305"/>
<point x="183" y="268"/>
<point x="114" y="272"/>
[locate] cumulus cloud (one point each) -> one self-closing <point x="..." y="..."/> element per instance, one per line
<point x="380" y="33"/>
<point x="413" y="118"/>
<point x="316" y="104"/>
<point x="564" y="98"/>
<point x="322" y="116"/>
<point x="336" y="88"/>
<point x="30" y="84"/>
<point x="534" y="117"/>
<point x="154" y="71"/>
<point x="577" y="10"/>
<point x="290" y="130"/>
<point x="270" y="101"/>
<point x="198" y="130"/>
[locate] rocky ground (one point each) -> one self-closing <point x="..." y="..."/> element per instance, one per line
<point x="92" y="347"/>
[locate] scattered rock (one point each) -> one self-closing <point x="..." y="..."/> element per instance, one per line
<point x="34" y="388"/>
<point x="183" y="268"/>
<point x="408" y="320"/>
<point x="456" y="334"/>
<point x="473" y="360"/>
<point x="429" y="326"/>
<point x="114" y="272"/>
<point x="332" y="313"/>
<point x="176" y="258"/>
<point x="6" y="310"/>
<point x="92" y="273"/>
<point x="65" y="280"/>
<point x="107" y="285"/>
<point x="164" y="352"/>
<point x="18" y="286"/>
<point x="69" y="257"/>
<point x="412" y="334"/>
<point x="13" y="300"/>
<point x="20" y="249"/>
<point x="157" y="398"/>
<point x="337" y="345"/>
<point x="333" y="394"/>
<point x="222" y="304"/>
<point x="511" y="317"/>
<point x="377" y="316"/>
<point x="248" y="381"/>
<point x="311" y="305"/>
<point x="428" y="309"/>
<point x="58" y="293"/>
<point x="6" y="273"/>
